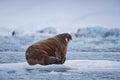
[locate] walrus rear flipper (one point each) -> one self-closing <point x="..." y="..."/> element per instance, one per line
<point x="31" y="61"/>
<point x="45" y="60"/>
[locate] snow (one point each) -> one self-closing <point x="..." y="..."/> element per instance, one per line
<point x="68" y="65"/>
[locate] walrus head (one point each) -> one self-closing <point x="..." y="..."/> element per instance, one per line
<point x="64" y="37"/>
<point x="68" y="37"/>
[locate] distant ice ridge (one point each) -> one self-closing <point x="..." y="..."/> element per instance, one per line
<point x="7" y="31"/>
<point x="81" y="32"/>
<point x="84" y="32"/>
<point x="98" y="32"/>
<point x="92" y="39"/>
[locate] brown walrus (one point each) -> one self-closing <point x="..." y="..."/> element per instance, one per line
<point x="50" y="51"/>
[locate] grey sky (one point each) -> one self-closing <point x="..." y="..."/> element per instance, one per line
<point x="62" y="14"/>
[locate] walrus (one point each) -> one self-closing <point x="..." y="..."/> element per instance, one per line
<point x="50" y="51"/>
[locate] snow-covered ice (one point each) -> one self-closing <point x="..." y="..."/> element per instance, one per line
<point x="71" y="69"/>
<point x="69" y="64"/>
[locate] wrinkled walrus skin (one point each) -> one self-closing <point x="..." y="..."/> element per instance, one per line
<point x="50" y="51"/>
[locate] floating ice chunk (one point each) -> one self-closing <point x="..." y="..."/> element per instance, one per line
<point x="68" y="65"/>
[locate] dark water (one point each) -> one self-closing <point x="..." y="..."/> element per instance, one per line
<point x="112" y="56"/>
<point x="61" y="73"/>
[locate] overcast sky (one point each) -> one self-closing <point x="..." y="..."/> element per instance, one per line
<point x="62" y="14"/>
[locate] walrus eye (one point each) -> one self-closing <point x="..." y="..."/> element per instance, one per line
<point x="66" y="39"/>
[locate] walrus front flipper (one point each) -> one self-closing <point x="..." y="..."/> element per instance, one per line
<point x="53" y="60"/>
